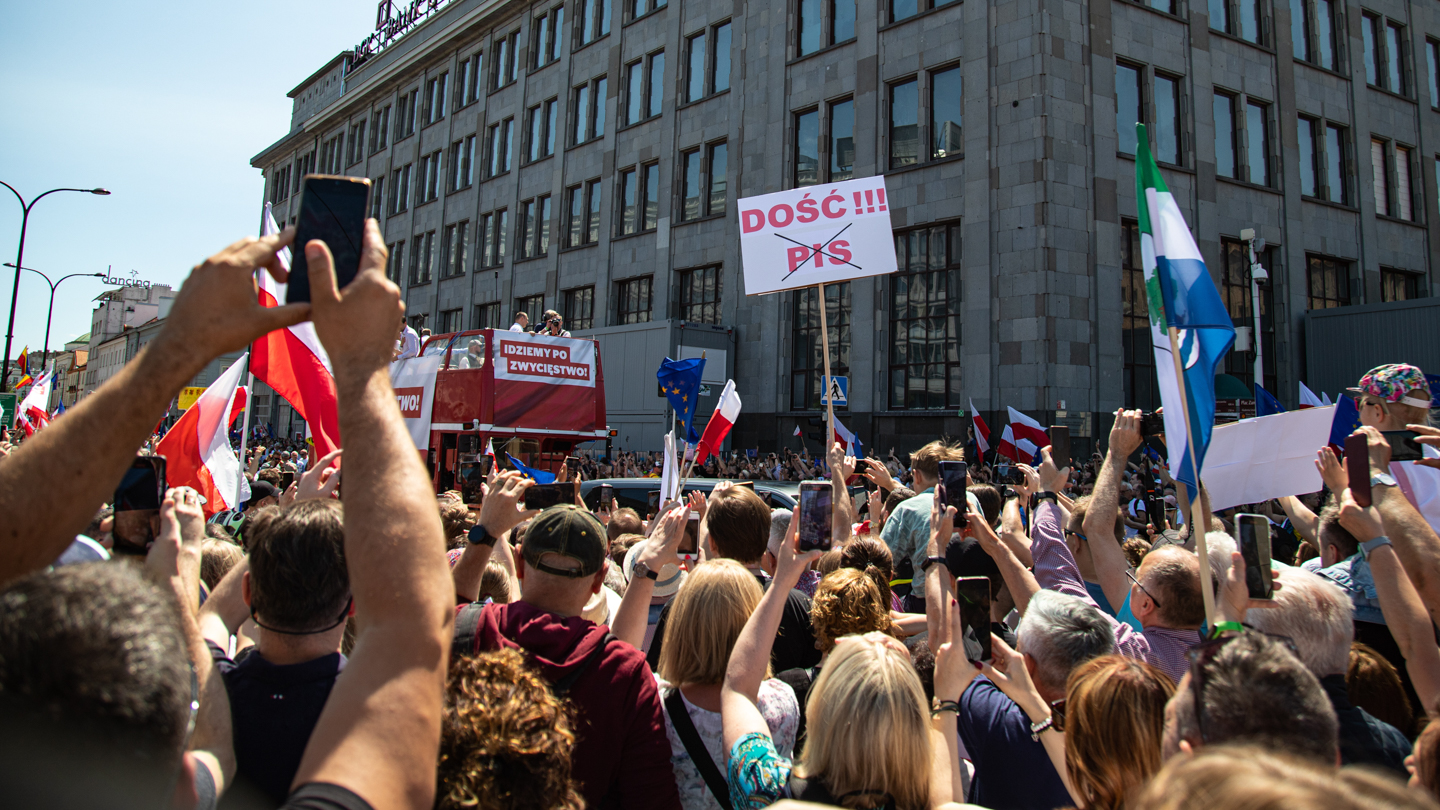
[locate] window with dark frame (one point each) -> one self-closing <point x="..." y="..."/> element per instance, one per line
<point x="716" y="159"/>
<point x="1327" y="281"/>
<point x="925" y="319"/>
<point x="1380" y="176"/>
<point x="594" y="20"/>
<point x="462" y="163"/>
<point x="488" y="316"/>
<point x="1239" y="18"/>
<point x="904" y="123"/>
<point x="436" y="93"/>
<point x="505" y="60"/>
<point x="1237" y="294"/>
<point x="493" y="227"/>
<point x="690" y="191"/>
<point x="451" y="320"/>
<point x="699" y="290"/>
<point x="1405" y="207"/>
<point x="1129" y="105"/>
<point x="1257" y="142"/>
<point x="628" y="196"/>
<point x="946" y="100"/>
<point x="651" y="194"/>
<point x="356" y="151"/>
<point x="379" y="129"/>
<point x="532" y="305"/>
<point x="807" y="148"/>
<point x="588" y="122"/>
<point x="841" y="140"/>
<point x="1384" y="44"/>
<point x="707" y="62"/>
<point x="546" y="42"/>
<point x="807" y="366"/>
<point x="377" y="197"/>
<point x="498" y="140"/>
<point x="405" y="114"/>
<point x="633" y="300"/>
<point x="396" y="261"/>
<point x="905" y="9"/>
<point x="1138" y="376"/>
<point x="579" y="308"/>
<point x="467" y="81"/>
<point x="429" y="176"/>
<point x="400" y="189"/>
<point x="1168" y="127"/>
<point x="540" y="124"/>
<point x="582" y="206"/>
<point x="422" y="255"/>
<point x="822" y="23"/>
<point x="1398" y="285"/>
<point x="1227" y="162"/>
<point x="639" y="8"/>
<point x="1432" y="57"/>
<point x="644" y="88"/>
<point x="452" y="249"/>
<point x="533" y="238"/>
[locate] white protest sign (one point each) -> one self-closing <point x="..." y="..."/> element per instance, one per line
<point x="414" y="381"/>
<point x="816" y="235"/>
<point x="1254" y="460"/>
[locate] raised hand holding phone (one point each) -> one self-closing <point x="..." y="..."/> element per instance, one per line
<point x="1357" y="466"/>
<point x="500" y="512"/>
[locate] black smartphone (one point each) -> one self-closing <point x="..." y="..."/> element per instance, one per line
<point x="137" y="504"/>
<point x="544" y="496"/>
<point x="332" y="209"/>
<point x="487" y="463"/>
<point x="1060" y="446"/>
<point x="1152" y="424"/>
<point x="1357" y="467"/>
<point x="690" y="546"/>
<point x="286" y="479"/>
<point x="952" y="477"/>
<point x="472" y="481"/>
<point x="814" y="531"/>
<point x="572" y="463"/>
<point x="1403" y="446"/>
<point x="607" y="494"/>
<point x="1254" y="531"/>
<point x="973" y="593"/>
<point x="653" y="499"/>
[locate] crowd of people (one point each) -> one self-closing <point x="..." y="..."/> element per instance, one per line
<point x="395" y="648"/>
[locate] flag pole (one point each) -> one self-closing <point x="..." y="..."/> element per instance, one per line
<point x="825" y="388"/>
<point x="1198" y="525"/>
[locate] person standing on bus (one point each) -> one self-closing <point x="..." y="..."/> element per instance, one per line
<point x="521" y="322"/>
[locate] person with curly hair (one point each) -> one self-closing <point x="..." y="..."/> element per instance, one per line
<point x="506" y="739"/>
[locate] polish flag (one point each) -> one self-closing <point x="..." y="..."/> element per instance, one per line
<point x="982" y="431"/>
<point x="1022" y="438"/>
<point x="242" y="395"/>
<point x="197" y="449"/>
<point x="726" y="412"/>
<point x="797" y="430"/>
<point x="490" y="448"/>
<point x="293" y="362"/>
<point x="846" y="439"/>
<point x="1308" y="398"/>
<point x="31" y="415"/>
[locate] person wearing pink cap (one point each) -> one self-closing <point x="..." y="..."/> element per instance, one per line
<point x="1397" y="396"/>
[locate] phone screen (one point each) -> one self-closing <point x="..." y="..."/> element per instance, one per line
<point x="607" y="494"/>
<point x="814" y="528"/>
<point x="332" y="209"/>
<point x="653" y="499"/>
<point x="544" y="496"/>
<point x="952" y="476"/>
<point x="690" y="546"/>
<point x="286" y="479"/>
<point x="472" y="478"/>
<point x="1254" y="533"/>
<point x="1357" y="466"/>
<point x="137" y="503"/>
<point x="973" y="594"/>
<point x="1403" y="446"/>
<point x="1060" y="446"/>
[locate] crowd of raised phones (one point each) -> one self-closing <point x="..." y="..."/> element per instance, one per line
<point x="1036" y="639"/>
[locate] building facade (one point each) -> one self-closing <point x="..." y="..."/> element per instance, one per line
<point x="586" y="156"/>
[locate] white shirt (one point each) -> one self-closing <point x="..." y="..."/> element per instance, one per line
<point x="516" y="327"/>
<point x="409" y="343"/>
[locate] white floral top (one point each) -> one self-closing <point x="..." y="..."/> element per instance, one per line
<point x="777" y="705"/>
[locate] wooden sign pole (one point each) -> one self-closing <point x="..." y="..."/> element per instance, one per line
<point x="826" y="383"/>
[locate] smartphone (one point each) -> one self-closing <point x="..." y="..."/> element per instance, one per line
<point x="690" y="546"/>
<point x="487" y="463"/>
<point x="952" y="476"/>
<point x="1152" y="424"/>
<point x="137" y="503"/>
<point x="286" y="479"/>
<point x="1403" y="446"/>
<point x="653" y="499"/>
<point x="973" y="593"/>
<point x="607" y="494"/>
<point x="472" y="480"/>
<point x="1357" y="466"/>
<point x="544" y="496"/>
<point x="1060" y="446"/>
<point x="572" y="462"/>
<point x="332" y="209"/>
<point x="1254" y="533"/>
<point x="814" y="508"/>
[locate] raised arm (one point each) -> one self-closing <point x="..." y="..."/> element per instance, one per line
<point x="1099" y="526"/>
<point x="842" y="512"/>
<point x="498" y="514"/>
<point x="1012" y="532"/>
<point x="749" y="659"/>
<point x="52" y="484"/>
<point x="1306" y="523"/>
<point x="395" y="553"/>
<point x="225" y="611"/>
<point x="633" y="615"/>
<point x="1017" y="576"/>
<point x="1415" y="542"/>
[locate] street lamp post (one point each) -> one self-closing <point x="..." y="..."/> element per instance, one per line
<point x="53" y="284"/>
<point x="20" y="262"/>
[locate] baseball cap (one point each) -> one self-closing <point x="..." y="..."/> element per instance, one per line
<point x="1392" y="382"/>
<point x="262" y="489"/>
<point x="569" y="531"/>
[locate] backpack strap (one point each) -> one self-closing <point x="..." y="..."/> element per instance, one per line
<point x="563" y="686"/>
<point x="467" y="628"/>
<point x="695" y="747"/>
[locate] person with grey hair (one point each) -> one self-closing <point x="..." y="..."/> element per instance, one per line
<point x="474" y="356"/>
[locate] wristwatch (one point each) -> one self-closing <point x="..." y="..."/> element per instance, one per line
<point x="929" y="561"/>
<point x="1382" y="480"/>
<point x="479" y="537"/>
<point x="1046" y="496"/>
<point x="643" y="570"/>
<point x="1367" y="547"/>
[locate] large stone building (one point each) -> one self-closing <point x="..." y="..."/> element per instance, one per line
<point x="586" y="156"/>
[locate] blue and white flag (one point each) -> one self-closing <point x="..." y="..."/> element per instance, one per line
<point x="1181" y="296"/>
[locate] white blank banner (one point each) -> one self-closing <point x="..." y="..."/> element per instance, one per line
<point x="1268" y="457"/>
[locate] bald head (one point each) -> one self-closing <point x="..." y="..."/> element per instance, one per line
<point x="1172" y="575"/>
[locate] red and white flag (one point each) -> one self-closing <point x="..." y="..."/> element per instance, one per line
<point x="490" y="448"/>
<point x="1308" y="398"/>
<point x="1022" y="438"/>
<point x="727" y="410"/>
<point x="982" y="430"/>
<point x="797" y="430"/>
<point x="197" y="449"/>
<point x="293" y="362"/>
<point x="32" y="415"/>
<point x="846" y="439"/>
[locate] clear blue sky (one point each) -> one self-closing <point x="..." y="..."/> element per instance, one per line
<point x="163" y="103"/>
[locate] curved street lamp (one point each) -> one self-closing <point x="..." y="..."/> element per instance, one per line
<point x="20" y="262"/>
<point x="53" y="284"/>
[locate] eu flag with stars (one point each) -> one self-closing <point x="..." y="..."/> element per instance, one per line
<point x="680" y="380"/>
<point x="1265" y="402"/>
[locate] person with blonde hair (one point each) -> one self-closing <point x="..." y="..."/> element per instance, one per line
<point x="1114" y="716"/>
<point x="706" y="618"/>
<point x="506" y="740"/>
<point x="872" y="743"/>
